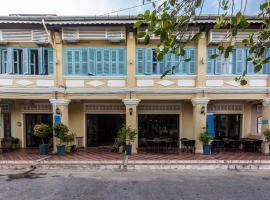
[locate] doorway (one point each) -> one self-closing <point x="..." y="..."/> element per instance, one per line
<point x="30" y="121"/>
<point x="101" y="129"/>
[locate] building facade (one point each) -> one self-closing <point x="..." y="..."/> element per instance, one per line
<point x="98" y="75"/>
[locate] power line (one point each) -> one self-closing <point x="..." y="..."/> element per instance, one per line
<point x="129" y="8"/>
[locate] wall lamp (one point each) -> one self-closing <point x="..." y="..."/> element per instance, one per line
<point x="203" y="110"/>
<point x="58" y="111"/>
<point x="202" y="60"/>
<point x="130" y="111"/>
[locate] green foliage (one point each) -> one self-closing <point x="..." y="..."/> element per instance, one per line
<point x="171" y="19"/>
<point x="266" y="134"/>
<point x="60" y="131"/>
<point x="42" y="131"/>
<point x="126" y="134"/>
<point x="204" y="137"/>
<point x="69" y="138"/>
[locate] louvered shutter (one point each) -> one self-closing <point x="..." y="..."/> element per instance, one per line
<point x="84" y="61"/>
<point x="50" y="61"/>
<point x="114" y="59"/>
<point x="121" y="62"/>
<point x="218" y="65"/>
<point x="26" y="64"/>
<point x="140" y="61"/>
<point x="250" y="66"/>
<point x="210" y="62"/>
<point x="69" y="62"/>
<point x="149" y="61"/>
<point x="99" y="62"/>
<point x="176" y="64"/>
<point x="1" y="63"/>
<point x="106" y="62"/>
<point x="192" y="62"/>
<point x="266" y="66"/>
<point x="91" y="70"/>
<point x="41" y="61"/>
<point x="77" y="61"/>
<point x="184" y="64"/>
<point x="161" y="65"/>
<point x="9" y="66"/>
<point x="239" y="60"/>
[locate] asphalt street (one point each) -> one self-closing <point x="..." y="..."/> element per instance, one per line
<point x="135" y="185"/>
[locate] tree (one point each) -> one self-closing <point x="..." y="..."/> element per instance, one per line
<point x="171" y="19"/>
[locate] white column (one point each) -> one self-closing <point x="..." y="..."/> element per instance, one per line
<point x="266" y="123"/>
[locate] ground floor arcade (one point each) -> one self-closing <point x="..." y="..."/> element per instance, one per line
<point x="96" y="121"/>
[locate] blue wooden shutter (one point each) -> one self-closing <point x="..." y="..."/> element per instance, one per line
<point x="121" y="62"/>
<point x="161" y="65"/>
<point x="149" y="61"/>
<point x="50" y="61"/>
<point x="239" y="60"/>
<point x="4" y="61"/>
<point x="99" y="62"/>
<point x="106" y="62"/>
<point x="41" y="61"/>
<point x="210" y="124"/>
<point x="26" y="64"/>
<point x="218" y="64"/>
<point x="9" y="66"/>
<point x="69" y="62"/>
<point x="77" y="61"/>
<point x="250" y="66"/>
<point x="1" y="64"/>
<point x="91" y="70"/>
<point x="184" y="66"/>
<point x="266" y="66"/>
<point x="84" y="61"/>
<point x="192" y="62"/>
<point x="140" y="61"/>
<point x="114" y="59"/>
<point x="210" y="62"/>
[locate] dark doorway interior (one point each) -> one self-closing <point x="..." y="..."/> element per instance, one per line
<point x="30" y="121"/>
<point x="158" y="126"/>
<point x="102" y="128"/>
<point x="227" y="126"/>
<point x="7" y="125"/>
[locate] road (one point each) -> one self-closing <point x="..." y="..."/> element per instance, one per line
<point x="135" y="185"/>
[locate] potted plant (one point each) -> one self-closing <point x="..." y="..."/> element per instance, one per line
<point x="126" y="136"/>
<point x="42" y="131"/>
<point x="206" y="140"/>
<point x="60" y="131"/>
<point x="266" y="143"/>
<point x="15" y="143"/>
<point x="68" y="139"/>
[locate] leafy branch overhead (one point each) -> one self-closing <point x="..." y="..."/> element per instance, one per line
<point x="173" y="20"/>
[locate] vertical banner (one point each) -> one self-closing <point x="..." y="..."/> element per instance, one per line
<point x="210" y="124"/>
<point x="57" y="118"/>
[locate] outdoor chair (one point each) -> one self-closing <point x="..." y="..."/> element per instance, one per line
<point x="187" y="145"/>
<point x="217" y="146"/>
<point x="6" y="145"/>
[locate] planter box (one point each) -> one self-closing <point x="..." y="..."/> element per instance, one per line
<point x="43" y="149"/>
<point x="206" y="149"/>
<point x="61" y="149"/>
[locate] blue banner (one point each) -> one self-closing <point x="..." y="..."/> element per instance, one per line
<point x="57" y="119"/>
<point x="210" y="124"/>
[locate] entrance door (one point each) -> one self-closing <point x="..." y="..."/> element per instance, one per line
<point x="158" y="126"/>
<point x="7" y="125"/>
<point x="102" y="128"/>
<point x="227" y="126"/>
<point x="30" y="121"/>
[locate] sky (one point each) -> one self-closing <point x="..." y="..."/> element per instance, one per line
<point x="99" y="7"/>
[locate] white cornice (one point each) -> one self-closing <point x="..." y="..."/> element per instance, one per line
<point x="200" y="101"/>
<point x="131" y="101"/>
<point x="60" y="102"/>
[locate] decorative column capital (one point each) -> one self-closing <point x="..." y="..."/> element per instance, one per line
<point x="200" y="101"/>
<point x="60" y="102"/>
<point x="129" y="102"/>
<point x="266" y="102"/>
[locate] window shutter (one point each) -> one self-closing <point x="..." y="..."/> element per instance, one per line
<point x="140" y="61"/>
<point x="183" y="64"/>
<point x="161" y="65"/>
<point x="50" y="61"/>
<point x="9" y="66"/>
<point x="106" y="62"/>
<point x="41" y="64"/>
<point x="149" y="61"/>
<point x="250" y="66"/>
<point x="210" y="62"/>
<point x="26" y="66"/>
<point x="1" y="63"/>
<point x="69" y="61"/>
<point x="84" y="61"/>
<point x="210" y="124"/>
<point x="114" y="59"/>
<point x="91" y="69"/>
<point x="77" y="62"/>
<point x="239" y="60"/>
<point x="219" y="62"/>
<point x="99" y="62"/>
<point x="192" y="62"/>
<point x="266" y="66"/>
<point x="122" y="62"/>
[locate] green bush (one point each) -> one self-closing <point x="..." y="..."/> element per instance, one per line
<point x="42" y="131"/>
<point x="126" y="135"/>
<point x="266" y="133"/>
<point x="60" y="131"/>
<point x="204" y="137"/>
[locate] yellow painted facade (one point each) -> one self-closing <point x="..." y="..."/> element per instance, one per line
<point x="72" y="94"/>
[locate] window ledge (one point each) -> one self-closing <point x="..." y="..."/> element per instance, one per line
<point x="167" y="76"/>
<point x="95" y="77"/>
<point x="26" y="76"/>
<point x="234" y="75"/>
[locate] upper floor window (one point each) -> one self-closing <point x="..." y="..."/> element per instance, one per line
<point x="236" y="63"/>
<point x="95" y="61"/>
<point x="27" y="61"/>
<point x="147" y="62"/>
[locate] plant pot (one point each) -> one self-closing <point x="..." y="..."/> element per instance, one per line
<point x="43" y="149"/>
<point x="61" y="149"/>
<point x="206" y="149"/>
<point x="121" y="149"/>
<point x="68" y="149"/>
<point x="128" y="149"/>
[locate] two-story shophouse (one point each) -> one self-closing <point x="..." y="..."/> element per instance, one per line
<point x="97" y="75"/>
